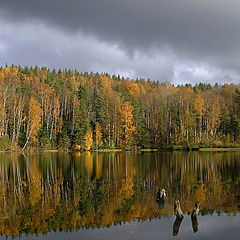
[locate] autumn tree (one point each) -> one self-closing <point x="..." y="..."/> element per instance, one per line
<point x="126" y="111"/>
<point x="139" y="112"/>
<point x="33" y="121"/>
<point x="88" y="140"/>
<point x="199" y="109"/>
<point x="98" y="134"/>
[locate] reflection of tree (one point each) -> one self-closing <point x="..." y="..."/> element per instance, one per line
<point x="45" y="192"/>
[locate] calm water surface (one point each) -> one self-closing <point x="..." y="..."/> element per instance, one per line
<point x="113" y="195"/>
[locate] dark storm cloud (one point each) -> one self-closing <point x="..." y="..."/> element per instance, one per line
<point x="199" y="33"/>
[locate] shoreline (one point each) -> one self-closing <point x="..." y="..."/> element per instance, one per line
<point x="122" y="150"/>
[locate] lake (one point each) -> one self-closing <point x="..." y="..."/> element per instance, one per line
<point x="113" y="195"/>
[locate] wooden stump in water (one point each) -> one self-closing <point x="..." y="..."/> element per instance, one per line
<point x="179" y="217"/>
<point x="195" y="210"/>
<point x="161" y="194"/>
<point x="160" y="198"/>
<point x="177" y="209"/>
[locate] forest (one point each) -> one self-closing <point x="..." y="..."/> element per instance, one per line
<point x="70" y="110"/>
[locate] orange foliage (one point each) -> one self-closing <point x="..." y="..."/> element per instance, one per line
<point x="199" y="105"/>
<point x="126" y="111"/>
<point x="35" y="113"/>
<point x="88" y="140"/>
<point x="98" y="135"/>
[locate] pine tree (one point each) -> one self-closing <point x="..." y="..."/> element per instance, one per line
<point x="235" y="126"/>
<point x="225" y="121"/>
<point x="81" y="118"/>
<point x="141" y="134"/>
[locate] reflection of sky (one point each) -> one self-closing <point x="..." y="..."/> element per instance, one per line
<point x="210" y="227"/>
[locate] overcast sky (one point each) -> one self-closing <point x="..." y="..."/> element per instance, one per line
<point x="180" y="41"/>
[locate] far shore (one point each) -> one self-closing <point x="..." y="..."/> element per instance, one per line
<point x="124" y="150"/>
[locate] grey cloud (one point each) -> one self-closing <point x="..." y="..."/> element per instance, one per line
<point x="191" y="31"/>
<point x="197" y="24"/>
<point x="49" y="47"/>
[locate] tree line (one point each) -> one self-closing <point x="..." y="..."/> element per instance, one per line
<point x="66" y="109"/>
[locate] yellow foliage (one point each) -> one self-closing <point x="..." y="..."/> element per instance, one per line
<point x="35" y="113"/>
<point x="24" y="119"/>
<point x="107" y="82"/>
<point x="199" y="105"/>
<point x="2" y="116"/>
<point x="134" y="89"/>
<point x="77" y="147"/>
<point x="88" y="140"/>
<point x="74" y="82"/>
<point x="98" y="135"/>
<point x="127" y="121"/>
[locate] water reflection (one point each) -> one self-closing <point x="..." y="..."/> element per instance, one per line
<point x="194" y="216"/>
<point x="63" y="192"/>
<point x="194" y="223"/>
<point x="177" y="225"/>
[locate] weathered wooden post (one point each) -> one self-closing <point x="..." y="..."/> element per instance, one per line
<point x="179" y="217"/>
<point x="160" y="198"/>
<point x="177" y="209"/>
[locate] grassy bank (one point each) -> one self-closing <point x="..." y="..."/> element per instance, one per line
<point x="219" y="149"/>
<point x="178" y="149"/>
<point x="108" y="150"/>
